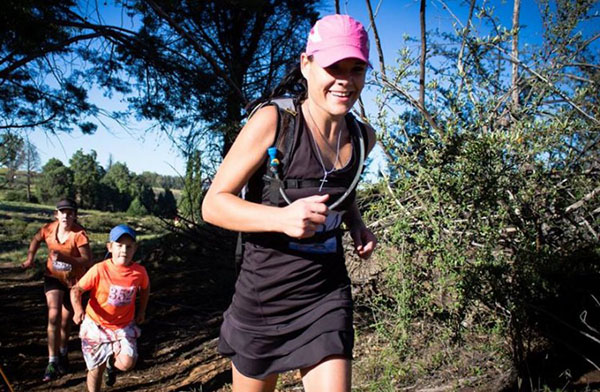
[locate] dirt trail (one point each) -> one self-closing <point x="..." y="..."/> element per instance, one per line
<point x="178" y="343"/>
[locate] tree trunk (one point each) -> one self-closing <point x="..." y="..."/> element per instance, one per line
<point x="28" y="183"/>
<point x="376" y="34"/>
<point x="423" y="55"/>
<point x="515" y="54"/>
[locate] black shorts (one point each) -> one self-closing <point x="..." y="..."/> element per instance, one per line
<point x="51" y="283"/>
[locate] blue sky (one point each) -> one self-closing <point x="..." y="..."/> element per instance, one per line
<point x="152" y="151"/>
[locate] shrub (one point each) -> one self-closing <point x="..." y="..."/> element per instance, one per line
<point x="15" y="195"/>
<point x="136" y="208"/>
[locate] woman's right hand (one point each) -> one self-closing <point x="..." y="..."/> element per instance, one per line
<point x="27" y="264"/>
<point x="302" y="217"/>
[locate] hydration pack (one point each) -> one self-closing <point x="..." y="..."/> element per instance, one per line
<point x="274" y="182"/>
<point x="286" y="136"/>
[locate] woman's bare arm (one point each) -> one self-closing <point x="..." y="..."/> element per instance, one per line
<point x="222" y="206"/>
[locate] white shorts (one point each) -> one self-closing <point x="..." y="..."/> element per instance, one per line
<point x="98" y="343"/>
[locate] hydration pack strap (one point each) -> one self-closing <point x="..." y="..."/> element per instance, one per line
<point x="293" y="183"/>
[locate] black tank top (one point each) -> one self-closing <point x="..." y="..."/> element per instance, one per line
<point x="285" y="283"/>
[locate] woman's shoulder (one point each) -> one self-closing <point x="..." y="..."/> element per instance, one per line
<point x="260" y="127"/>
<point x="48" y="227"/>
<point x="79" y="230"/>
<point x="266" y="116"/>
<point x="76" y="227"/>
<point x="370" y="133"/>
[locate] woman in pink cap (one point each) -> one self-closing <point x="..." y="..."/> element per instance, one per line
<point x="292" y="307"/>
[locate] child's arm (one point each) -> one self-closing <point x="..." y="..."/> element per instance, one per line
<point x="140" y="317"/>
<point x="78" y="314"/>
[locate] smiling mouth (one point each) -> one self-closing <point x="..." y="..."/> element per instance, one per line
<point x="340" y="94"/>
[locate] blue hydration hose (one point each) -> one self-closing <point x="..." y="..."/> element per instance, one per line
<point x="274" y="167"/>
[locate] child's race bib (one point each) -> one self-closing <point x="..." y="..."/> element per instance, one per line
<point x="120" y="296"/>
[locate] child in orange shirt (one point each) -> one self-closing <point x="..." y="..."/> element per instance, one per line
<point x="109" y="329"/>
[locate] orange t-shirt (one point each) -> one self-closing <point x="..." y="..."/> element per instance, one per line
<point x="113" y="292"/>
<point x="77" y="237"/>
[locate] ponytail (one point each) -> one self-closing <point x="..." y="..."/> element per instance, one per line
<point x="293" y="84"/>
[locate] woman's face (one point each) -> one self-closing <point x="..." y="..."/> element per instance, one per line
<point x="336" y="88"/>
<point x="66" y="217"/>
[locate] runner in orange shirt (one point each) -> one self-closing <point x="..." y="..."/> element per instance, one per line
<point x="108" y="330"/>
<point x="69" y="256"/>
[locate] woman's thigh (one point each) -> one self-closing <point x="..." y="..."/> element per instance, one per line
<point x="333" y="374"/>
<point x="54" y="300"/>
<point x="242" y="383"/>
<point x="56" y="294"/>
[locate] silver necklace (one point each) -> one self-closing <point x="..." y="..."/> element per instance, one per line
<point x="337" y="151"/>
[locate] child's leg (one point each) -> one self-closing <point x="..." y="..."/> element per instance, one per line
<point x="125" y="353"/>
<point x="94" y="378"/>
<point x="124" y="362"/>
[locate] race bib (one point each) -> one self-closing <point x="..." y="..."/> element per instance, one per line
<point x="327" y="246"/>
<point x="333" y="221"/>
<point x="61" y="266"/>
<point x="120" y="296"/>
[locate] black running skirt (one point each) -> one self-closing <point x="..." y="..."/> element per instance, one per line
<point x="259" y="355"/>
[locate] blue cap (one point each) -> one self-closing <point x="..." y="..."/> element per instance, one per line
<point x="118" y="231"/>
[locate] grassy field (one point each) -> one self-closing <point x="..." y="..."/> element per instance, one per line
<point x="20" y="221"/>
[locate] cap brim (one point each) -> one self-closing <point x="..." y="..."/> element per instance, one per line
<point x="123" y="234"/>
<point x="330" y="56"/>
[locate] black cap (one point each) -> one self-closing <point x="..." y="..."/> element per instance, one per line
<point x="66" y="204"/>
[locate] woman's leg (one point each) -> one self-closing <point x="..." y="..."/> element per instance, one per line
<point x="242" y="383"/>
<point x="54" y="300"/>
<point x="65" y="325"/>
<point x="333" y="374"/>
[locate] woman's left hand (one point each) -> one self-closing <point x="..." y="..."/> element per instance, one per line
<point x="364" y="241"/>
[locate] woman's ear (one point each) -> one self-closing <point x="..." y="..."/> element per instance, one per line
<point x="304" y="64"/>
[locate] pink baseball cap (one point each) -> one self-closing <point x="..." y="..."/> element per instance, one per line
<point x="337" y="37"/>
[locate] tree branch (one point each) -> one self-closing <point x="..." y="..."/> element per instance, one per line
<point x="549" y="84"/>
<point x="218" y="70"/>
<point x="377" y="40"/>
<point x="413" y="102"/>
<point x="586" y="198"/>
<point x="5" y="73"/>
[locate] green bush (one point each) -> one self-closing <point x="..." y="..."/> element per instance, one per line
<point x="490" y="204"/>
<point x="15" y="195"/>
<point x="14" y="228"/>
<point x="136" y="208"/>
<point x="100" y="223"/>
